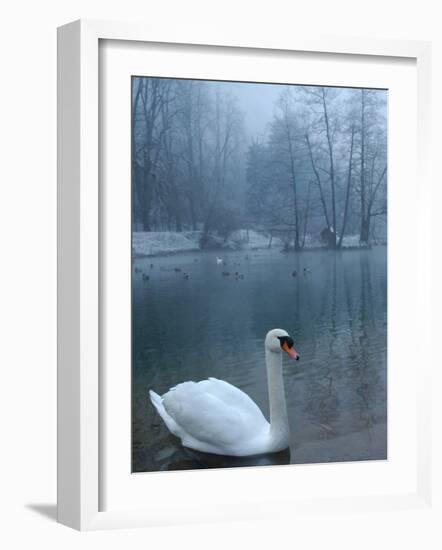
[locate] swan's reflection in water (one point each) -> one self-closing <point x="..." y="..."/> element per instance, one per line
<point x="210" y="326"/>
<point x="175" y="457"/>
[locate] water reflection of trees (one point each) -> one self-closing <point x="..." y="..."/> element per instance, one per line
<point x="339" y="386"/>
<point x="345" y="390"/>
<point x="322" y="402"/>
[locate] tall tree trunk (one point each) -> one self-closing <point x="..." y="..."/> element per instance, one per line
<point x="134" y="151"/>
<point x="150" y="113"/>
<point x="306" y="215"/>
<point x="318" y="181"/>
<point x="365" y="230"/>
<point x="178" y="222"/>
<point x="366" y="226"/>
<point x="294" y="187"/>
<point x="146" y="198"/>
<point x="365" y="223"/>
<point x="332" y="166"/>
<point x="347" y="194"/>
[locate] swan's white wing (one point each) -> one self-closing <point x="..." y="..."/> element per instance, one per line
<point x="214" y="412"/>
<point x="232" y="396"/>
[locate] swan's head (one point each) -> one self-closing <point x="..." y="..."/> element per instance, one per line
<point x="278" y="340"/>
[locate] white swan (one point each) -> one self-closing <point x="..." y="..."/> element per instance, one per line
<point x="213" y="416"/>
<point x="219" y="261"/>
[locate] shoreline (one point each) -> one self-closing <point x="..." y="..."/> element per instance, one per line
<point x="160" y="244"/>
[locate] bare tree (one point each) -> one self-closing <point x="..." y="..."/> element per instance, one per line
<point x="348" y="189"/>
<point x="318" y="181"/>
<point x="288" y="134"/>
<point x="226" y="128"/>
<point x="373" y="162"/>
<point x="320" y="165"/>
<point x="149" y="99"/>
<point x="320" y="101"/>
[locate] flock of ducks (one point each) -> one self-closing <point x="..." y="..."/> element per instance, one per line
<point x="305" y="271"/>
<point x="237" y="274"/>
<point x="145" y="277"/>
<point x="219" y="261"/>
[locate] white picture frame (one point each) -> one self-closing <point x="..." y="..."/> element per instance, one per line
<point x="79" y="276"/>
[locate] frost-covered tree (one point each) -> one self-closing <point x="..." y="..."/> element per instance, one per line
<point x="319" y="170"/>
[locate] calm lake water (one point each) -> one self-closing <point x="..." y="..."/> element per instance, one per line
<point x="210" y="325"/>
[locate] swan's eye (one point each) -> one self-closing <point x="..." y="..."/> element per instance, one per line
<point x="286" y="340"/>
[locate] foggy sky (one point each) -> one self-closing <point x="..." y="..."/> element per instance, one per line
<point x="257" y="101"/>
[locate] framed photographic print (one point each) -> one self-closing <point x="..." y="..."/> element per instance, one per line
<point x="235" y="287"/>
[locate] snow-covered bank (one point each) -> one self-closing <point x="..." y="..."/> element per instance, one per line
<point x="160" y="243"/>
<point x="348" y="242"/>
<point x="252" y="240"/>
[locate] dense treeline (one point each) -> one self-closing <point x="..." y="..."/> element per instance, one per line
<point x="320" y="170"/>
<point x="187" y="156"/>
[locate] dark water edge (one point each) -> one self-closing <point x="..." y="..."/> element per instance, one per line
<point x="337" y="314"/>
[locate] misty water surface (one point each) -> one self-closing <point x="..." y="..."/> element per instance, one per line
<point x="210" y="325"/>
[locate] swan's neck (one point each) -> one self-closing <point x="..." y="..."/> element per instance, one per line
<point x="279" y="425"/>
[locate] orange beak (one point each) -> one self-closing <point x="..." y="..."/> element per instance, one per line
<point x="290" y="351"/>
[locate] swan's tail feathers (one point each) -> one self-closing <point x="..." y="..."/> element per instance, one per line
<point x="157" y="402"/>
